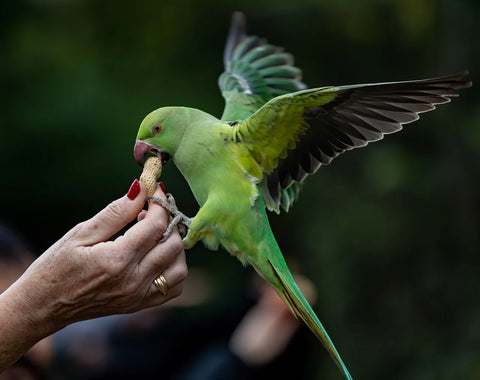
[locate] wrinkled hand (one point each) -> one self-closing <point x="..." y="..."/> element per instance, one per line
<point x="84" y="276"/>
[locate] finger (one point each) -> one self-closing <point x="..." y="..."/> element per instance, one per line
<point x="177" y="272"/>
<point x="154" y="209"/>
<point x="141" y="215"/>
<point x="144" y="235"/>
<point x="161" y="256"/>
<point x="174" y="276"/>
<point x="112" y="218"/>
<point x="155" y="297"/>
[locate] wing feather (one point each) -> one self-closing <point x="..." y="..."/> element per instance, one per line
<point x="292" y="135"/>
<point x="255" y="72"/>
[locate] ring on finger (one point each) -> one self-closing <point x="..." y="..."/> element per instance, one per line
<point x="161" y="283"/>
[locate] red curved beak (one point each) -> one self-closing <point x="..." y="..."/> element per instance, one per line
<point x="140" y="150"/>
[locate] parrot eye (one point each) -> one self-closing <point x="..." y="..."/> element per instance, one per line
<point x="156" y="128"/>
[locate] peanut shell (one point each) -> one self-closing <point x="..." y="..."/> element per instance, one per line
<point x="151" y="173"/>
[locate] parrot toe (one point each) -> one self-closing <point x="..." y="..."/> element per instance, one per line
<point x="179" y="220"/>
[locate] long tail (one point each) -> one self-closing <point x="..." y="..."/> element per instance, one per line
<point x="288" y="290"/>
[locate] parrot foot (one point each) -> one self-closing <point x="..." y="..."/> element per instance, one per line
<point x="179" y="218"/>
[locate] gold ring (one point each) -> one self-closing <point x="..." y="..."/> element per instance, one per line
<point x="161" y="284"/>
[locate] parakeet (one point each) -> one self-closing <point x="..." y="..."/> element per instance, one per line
<point x="272" y="134"/>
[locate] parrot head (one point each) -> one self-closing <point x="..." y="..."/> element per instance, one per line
<point x="160" y="134"/>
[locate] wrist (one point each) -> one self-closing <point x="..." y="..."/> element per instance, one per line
<point x="20" y="326"/>
<point x="29" y="303"/>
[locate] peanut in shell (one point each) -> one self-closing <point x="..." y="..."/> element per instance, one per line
<point x="152" y="170"/>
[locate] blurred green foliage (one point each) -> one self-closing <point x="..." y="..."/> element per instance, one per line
<point x="389" y="234"/>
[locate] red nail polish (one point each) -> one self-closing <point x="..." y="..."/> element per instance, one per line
<point x="134" y="190"/>
<point x="162" y="186"/>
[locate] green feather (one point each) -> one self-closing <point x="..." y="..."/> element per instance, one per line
<point x="259" y="52"/>
<point x="256" y="69"/>
<point x="278" y="59"/>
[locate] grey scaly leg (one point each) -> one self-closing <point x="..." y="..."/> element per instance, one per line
<point x="179" y="218"/>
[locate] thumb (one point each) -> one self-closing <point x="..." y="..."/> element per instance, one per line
<point x="113" y="217"/>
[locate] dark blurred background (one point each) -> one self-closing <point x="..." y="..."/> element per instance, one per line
<point x="388" y="234"/>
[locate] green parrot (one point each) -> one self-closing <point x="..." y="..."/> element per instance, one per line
<point x="272" y="134"/>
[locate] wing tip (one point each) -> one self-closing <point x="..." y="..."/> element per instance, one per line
<point x="461" y="80"/>
<point x="467" y="83"/>
<point x="238" y="31"/>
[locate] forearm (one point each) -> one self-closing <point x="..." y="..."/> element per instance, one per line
<point x="20" y="326"/>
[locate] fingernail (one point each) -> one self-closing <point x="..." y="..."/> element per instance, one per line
<point x="134" y="190"/>
<point x="162" y="186"/>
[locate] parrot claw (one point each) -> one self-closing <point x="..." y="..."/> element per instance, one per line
<point x="179" y="220"/>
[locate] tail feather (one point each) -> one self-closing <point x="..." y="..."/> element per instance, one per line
<point x="294" y="299"/>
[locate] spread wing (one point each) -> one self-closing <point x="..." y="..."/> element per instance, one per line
<point x="292" y="135"/>
<point x="255" y="72"/>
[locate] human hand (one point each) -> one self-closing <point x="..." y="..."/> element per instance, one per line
<point x="269" y="326"/>
<point x="84" y="276"/>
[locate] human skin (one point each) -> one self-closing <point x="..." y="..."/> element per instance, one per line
<point x="85" y="275"/>
<point x="39" y="357"/>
